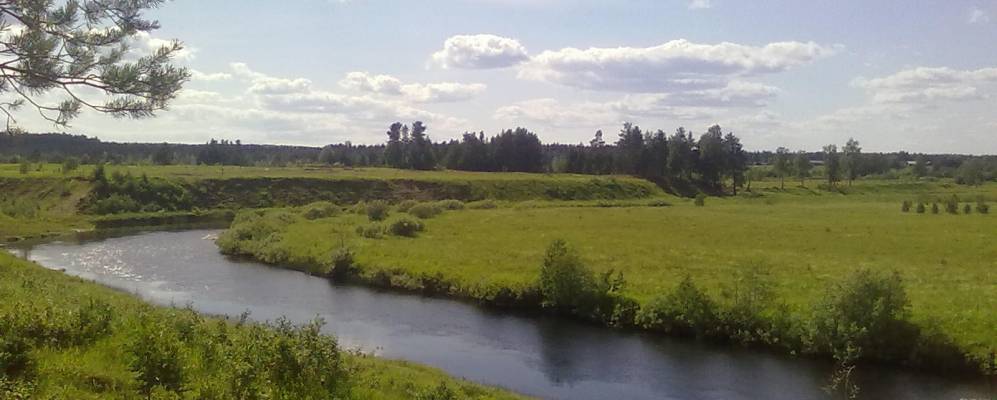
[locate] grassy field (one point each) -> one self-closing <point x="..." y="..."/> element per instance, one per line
<point x="62" y="337"/>
<point x="805" y="239"/>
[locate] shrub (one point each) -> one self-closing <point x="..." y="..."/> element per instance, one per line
<point x="425" y="210"/>
<point x="700" y="200"/>
<point x="920" y="208"/>
<point x="378" y="210"/>
<point x="25" y="167"/>
<point x="371" y="231"/>
<point x="405" y="205"/>
<point x="746" y="301"/>
<point x="482" y="205"/>
<point x="967" y="209"/>
<point x="451" y="204"/>
<point x="156" y="357"/>
<point x="934" y="208"/>
<point x="405" y="226"/>
<point x="866" y="310"/>
<point x="952" y="205"/>
<point x="564" y="280"/>
<point x="905" y="207"/>
<point x="685" y="310"/>
<point x="982" y="207"/>
<point x="342" y="262"/>
<point x="319" y="209"/>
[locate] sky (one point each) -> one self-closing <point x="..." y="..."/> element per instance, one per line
<point x="918" y="76"/>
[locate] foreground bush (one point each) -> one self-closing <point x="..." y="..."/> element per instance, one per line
<point x="685" y="310"/>
<point x="868" y="311"/>
<point x="378" y="210"/>
<point x="405" y="205"/>
<point x="258" y="234"/>
<point x="568" y="286"/>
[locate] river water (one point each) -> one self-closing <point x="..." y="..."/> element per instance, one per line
<point x="539" y="356"/>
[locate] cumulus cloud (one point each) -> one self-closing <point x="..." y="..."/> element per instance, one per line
<point x="925" y="85"/>
<point x="551" y="112"/>
<point x="416" y="92"/>
<point x="482" y="51"/>
<point x="677" y="65"/>
<point x="143" y="43"/>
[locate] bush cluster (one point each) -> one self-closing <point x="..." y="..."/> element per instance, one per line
<point x="951" y="206"/>
<point x="124" y="193"/>
<point x="451" y="204"/>
<point x="258" y="234"/>
<point x="371" y="231"/>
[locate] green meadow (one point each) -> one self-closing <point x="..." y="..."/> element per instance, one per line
<point x="802" y="239"/>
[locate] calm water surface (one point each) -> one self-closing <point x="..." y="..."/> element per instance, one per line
<point x="543" y="357"/>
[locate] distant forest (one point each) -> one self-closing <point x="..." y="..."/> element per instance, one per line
<point x="708" y="159"/>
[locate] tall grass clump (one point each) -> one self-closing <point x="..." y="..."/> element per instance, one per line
<point x="482" y="205"/>
<point x="425" y="210"/>
<point x="319" y="209"/>
<point x="371" y="231"/>
<point x="405" y="205"/>
<point x="451" y="204"/>
<point x="952" y="205"/>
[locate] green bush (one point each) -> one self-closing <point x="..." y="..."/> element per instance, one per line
<point x="952" y="205"/>
<point x="920" y="208"/>
<point x="359" y="208"/>
<point x="70" y="164"/>
<point x="700" y="200"/>
<point x="425" y="210"/>
<point x="866" y="310"/>
<point x="404" y="226"/>
<point x="342" y="262"/>
<point x="934" y="208"/>
<point x="967" y="209"/>
<point x="371" y="231"/>
<point x="378" y="210"/>
<point x="982" y="207"/>
<point x="451" y="204"/>
<point x="482" y="205"/>
<point x="685" y="310"/>
<point x="319" y="209"/>
<point x="565" y="281"/>
<point x="405" y="205"/>
<point x="905" y="207"/>
<point x="156" y="356"/>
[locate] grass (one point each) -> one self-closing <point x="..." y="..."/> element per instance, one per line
<point x="101" y="365"/>
<point x="805" y="239"/>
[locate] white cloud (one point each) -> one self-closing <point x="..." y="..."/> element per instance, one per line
<point x="552" y="113"/>
<point x="926" y="85"/>
<point x="700" y="4"/>
<point x="482" y="51"/>
<point x="209" y="77"/>
<point x="415" y="92"/>
<point x="678" y="65"/>
<point x="265" y="84"/>
<point x="143" y="43"/>
<point x="978" y="16"/>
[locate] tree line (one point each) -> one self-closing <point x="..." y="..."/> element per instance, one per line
<point x="711" y="161"/>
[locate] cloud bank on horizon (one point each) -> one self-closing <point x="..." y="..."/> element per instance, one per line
<point x="797" y="84"/>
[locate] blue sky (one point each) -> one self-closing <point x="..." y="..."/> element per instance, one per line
<point x="912" y="75"/>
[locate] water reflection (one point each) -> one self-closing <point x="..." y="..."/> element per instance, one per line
<point x="540" y="356"/>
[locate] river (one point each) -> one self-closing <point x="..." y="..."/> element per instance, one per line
<point x="534" y="355"/>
